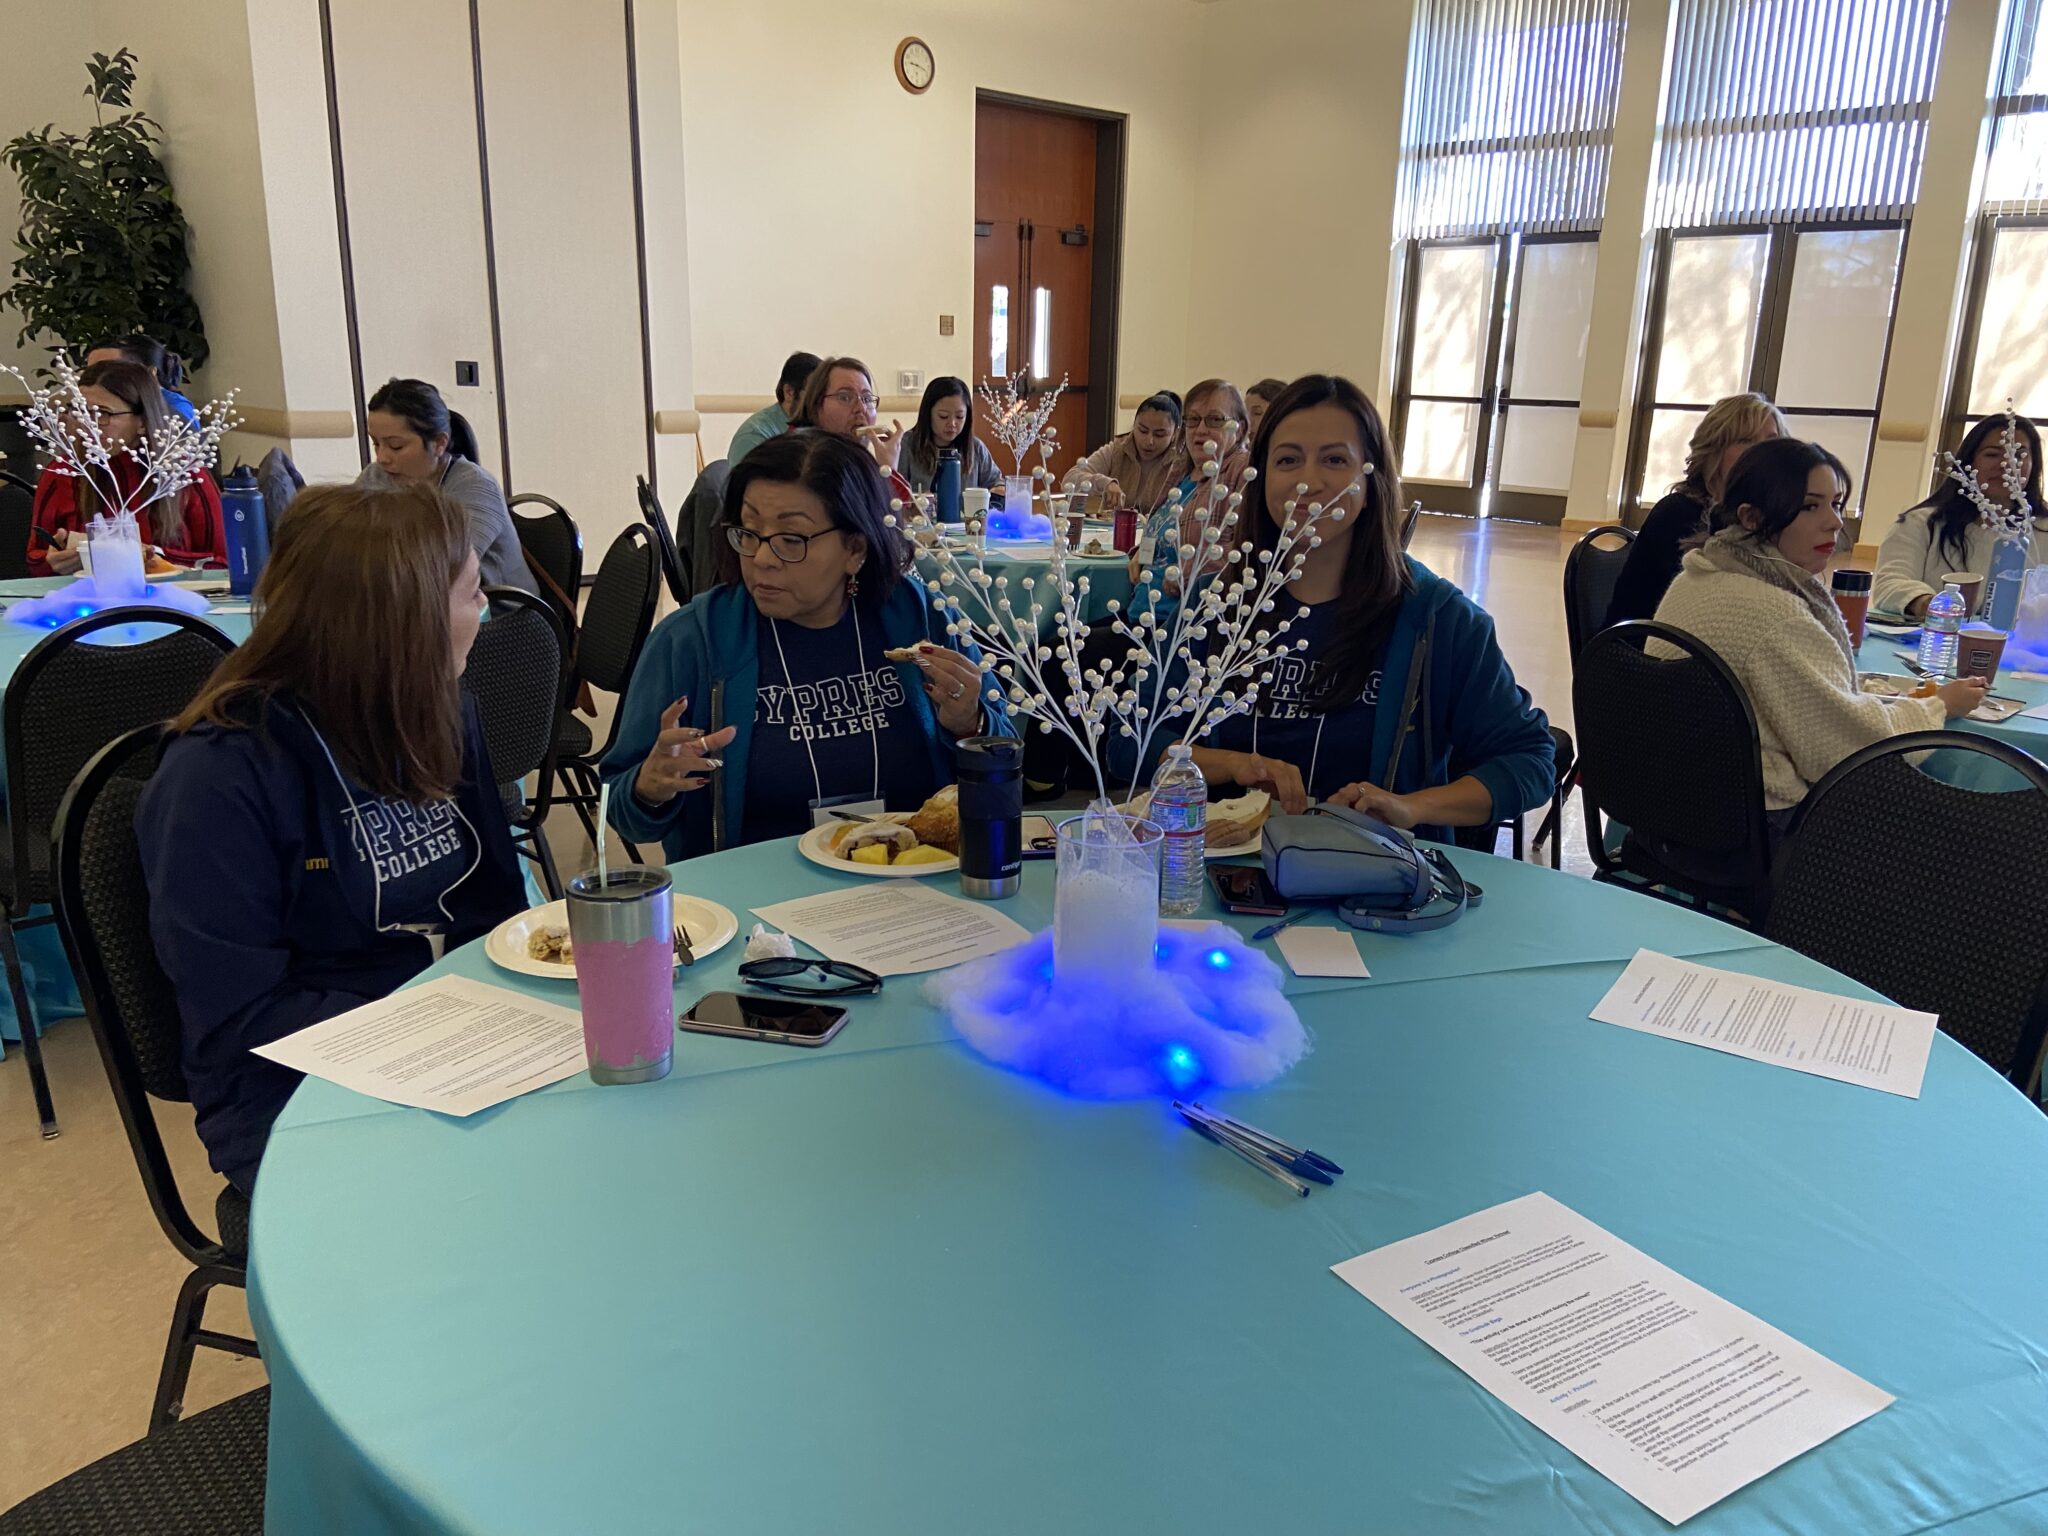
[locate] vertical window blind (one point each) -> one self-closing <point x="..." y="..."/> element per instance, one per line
<point x="1779" y="110"/>
<point x="2017" y="181"/>
<point x="1509" y="121"/>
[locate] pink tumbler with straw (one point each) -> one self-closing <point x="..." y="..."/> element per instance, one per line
<point x="625" y="972"/>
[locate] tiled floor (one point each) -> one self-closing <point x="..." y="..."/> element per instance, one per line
<point x="89" y="1279"/>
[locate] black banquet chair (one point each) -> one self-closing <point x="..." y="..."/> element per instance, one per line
<point x="67" y="699"/>
<point x="517" y="673"/>
<point x="616" y="623"/>
<point x="17" y="514"/>
<point x="553" y="546"/>
<point x="1668" y="747"/>
<point x="1845" y="890"/>
<point x="1590" y="571"/>
<point x="204" y="1476"/>
<point x="674" y="570"/>
<point x="103" y="914"/>
<point x="699" y="535"/>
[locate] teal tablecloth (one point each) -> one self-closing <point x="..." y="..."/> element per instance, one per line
<point x="1108" y="578"/>
<point x="52" y="992"/>
<point x="2031" y="736"/>
<point x="884" y="1286"/>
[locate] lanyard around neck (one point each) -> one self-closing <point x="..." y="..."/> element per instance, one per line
<point x="796" y="709"/>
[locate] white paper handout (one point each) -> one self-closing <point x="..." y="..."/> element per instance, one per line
<point x="1874" y="1045"/>
<point x="1321" y="952"/>
<point x="453" y="1045"/>
<point x="1673" y="1394"/>
<point x="895" y="928"/>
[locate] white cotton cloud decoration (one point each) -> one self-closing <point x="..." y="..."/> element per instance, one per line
<point x="1209" y="1014"/>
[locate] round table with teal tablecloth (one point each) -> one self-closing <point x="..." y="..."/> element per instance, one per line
<point x="1882" y="654"/>
<point x="883" y="1286"/>
<point x="52" y="992"/>
<point x="1109" y="576"/>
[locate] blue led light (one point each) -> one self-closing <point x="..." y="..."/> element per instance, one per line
<point x="1181" y="1065"/>
<point x="1220" y="959"/>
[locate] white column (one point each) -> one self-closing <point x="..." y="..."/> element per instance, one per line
<point x="1621" y="281"/>
<point x="1933" y="284"/>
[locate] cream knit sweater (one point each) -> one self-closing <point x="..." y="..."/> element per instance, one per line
<point x="1809" y="712"/>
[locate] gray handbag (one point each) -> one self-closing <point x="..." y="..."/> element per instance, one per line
<point x="1379" y="877"/>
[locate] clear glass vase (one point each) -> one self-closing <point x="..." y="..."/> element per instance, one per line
<point x="1105" y="915"/>
<point x="117" y="564"/>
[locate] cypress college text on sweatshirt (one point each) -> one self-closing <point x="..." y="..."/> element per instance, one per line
<point x="281" y="895"/>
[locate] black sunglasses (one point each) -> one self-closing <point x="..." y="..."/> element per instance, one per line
<point x="835" y="978"/>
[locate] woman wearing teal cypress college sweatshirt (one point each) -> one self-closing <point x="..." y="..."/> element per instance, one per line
<point x="773" y="692"/>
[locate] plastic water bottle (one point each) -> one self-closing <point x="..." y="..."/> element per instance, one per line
<point x="247" y="527"/>
<point x="946" y="485"/>
<point x="1938" y="641"/>
<point x="1180" y="809"/>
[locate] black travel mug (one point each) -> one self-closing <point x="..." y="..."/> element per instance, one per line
<point x="991" y="816"/>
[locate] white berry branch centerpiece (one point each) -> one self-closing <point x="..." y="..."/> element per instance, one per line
<point x="61" y="422"/>
<point x="2011" y="525"/>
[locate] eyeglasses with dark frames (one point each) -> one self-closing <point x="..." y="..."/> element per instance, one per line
<point x="789" y="548"/>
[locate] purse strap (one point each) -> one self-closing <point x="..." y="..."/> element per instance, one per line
<point x="1445" y="882"/>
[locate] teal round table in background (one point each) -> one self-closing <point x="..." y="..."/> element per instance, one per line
<point x="883" y="1286"/>
<point x="1881" y="654"/>
<point x="1109" y="576"/>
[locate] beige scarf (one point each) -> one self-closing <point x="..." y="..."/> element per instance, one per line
<point x="1739" y="551"/>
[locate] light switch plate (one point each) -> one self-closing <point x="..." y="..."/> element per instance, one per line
<point x="945" y="325"/>
<point x="909" y="380"/>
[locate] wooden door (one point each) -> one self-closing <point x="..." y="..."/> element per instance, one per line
<point x="1034" y="202"/>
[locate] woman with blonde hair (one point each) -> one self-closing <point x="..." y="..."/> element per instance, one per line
<point x="324" y="823"/>
<point x="1730" y="428"/>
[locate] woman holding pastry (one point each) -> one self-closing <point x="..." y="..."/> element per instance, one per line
<point x="1401" y="703"/>
<point x="813" y="678"/>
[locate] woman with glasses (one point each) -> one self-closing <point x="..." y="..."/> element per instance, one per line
<point x="1216" y="430"/>
<point x="813" y="677"/>
<point x="840" y="398"/>
<point x="128" y="405"/>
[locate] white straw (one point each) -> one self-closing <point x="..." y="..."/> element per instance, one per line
<point x="604" y="805"/>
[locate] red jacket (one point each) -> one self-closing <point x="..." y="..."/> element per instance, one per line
<point x="56" y="507"/>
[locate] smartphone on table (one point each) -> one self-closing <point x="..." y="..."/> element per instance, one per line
<point x="778" y="1020"/>
<point x="1244" y="888"/>
<point x="1038" y="838"/>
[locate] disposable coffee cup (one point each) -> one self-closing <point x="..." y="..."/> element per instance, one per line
<point x="1972" y="585"/>
<point x="1978" y="652"/>
<point x="625" y="972"/>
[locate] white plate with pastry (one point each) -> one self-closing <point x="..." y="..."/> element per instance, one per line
<point x="536" y="942"/>
<point x="897" y="845"/>
<point x="1234" y="828"/>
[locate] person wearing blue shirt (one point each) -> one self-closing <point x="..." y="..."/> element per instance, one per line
<point x="772" y="421"/>
<point x="152" y="354"/>
<point x="815" y="674"/>
<point x="1401" y="704"/>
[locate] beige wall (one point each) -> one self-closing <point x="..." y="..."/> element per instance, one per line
<point x="831" y="210"/>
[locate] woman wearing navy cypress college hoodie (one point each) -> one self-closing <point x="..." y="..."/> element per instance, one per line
<point x="1402" y="704"/>
<point x="782" y="675"/>
<point x="324" y="824"/>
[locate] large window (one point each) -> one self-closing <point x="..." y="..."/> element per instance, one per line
<point x="2005" y="341"/>
<point x="1783" y="182"/>
<point x="1504" y="150"/>
<point x="1800" y="314"/>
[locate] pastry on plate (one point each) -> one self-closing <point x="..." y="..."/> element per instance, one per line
<point x="885" y="832"/>
<point x="937" y="822"/>
<point x="1232" y="822"/>
<point x="551" y="943"/>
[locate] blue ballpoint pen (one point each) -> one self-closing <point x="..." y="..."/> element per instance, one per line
<point x="1286" y="922"/>
<point x="1287" y="1151"/>
<point x="1278" y="1153"/>
<point x="1238" y="1147"/>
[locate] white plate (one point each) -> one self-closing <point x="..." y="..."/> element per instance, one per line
<point x="1245" y="849"/>
<point x="816" y="846"/>
<point x="711" y="927"/>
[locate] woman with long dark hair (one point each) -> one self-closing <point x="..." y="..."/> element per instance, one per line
<point x="325" y="823"/>
<point x="774" y="695"/>
<point x="1401" y="704"/>
<point x="1946" y="532"/>
<point x="1754" y="592"/>
<point x="1138" y="468"/>
<point x="945" y="419"/>
<point x="129" y="406"/>
<point x="419" y="441"/>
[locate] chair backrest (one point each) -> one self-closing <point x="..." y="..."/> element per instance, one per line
<point x="17" y="513"/>
<point x="72" y="695"/>
<point x="102" y="904"/>
<point x="551" y="540"/>
<point x="672" y="568"/>
<point x="620" y="612"/>
<point x="1408" y="521"/>
<point x="698" y="528"/>
<point x="1848" y="887"/>
<point x="1668" y="746"/>
<point x="516" y="675"/>
<point x="1590" y="572"/>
